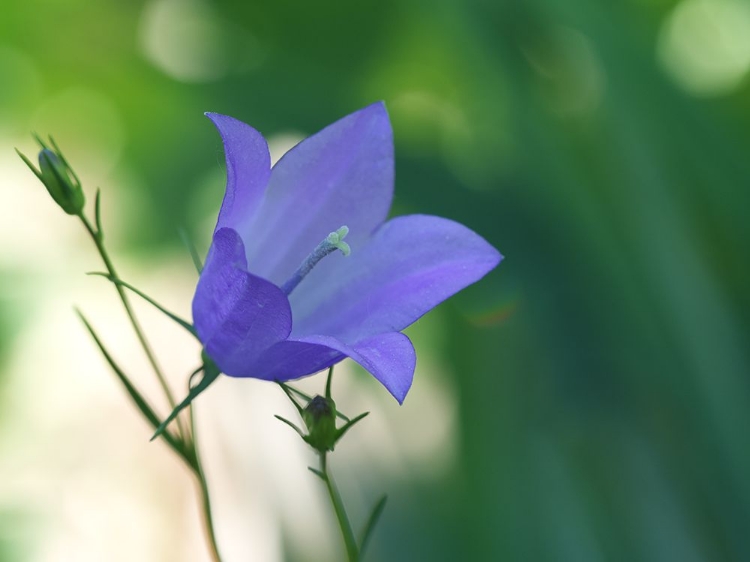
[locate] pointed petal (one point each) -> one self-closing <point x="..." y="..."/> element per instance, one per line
<point x="248" y="170"/>
<point x="411" y="265"/>
<point x="342" y="175"/>
<point x="390" y="358"/>
<point x="236" y="314"/>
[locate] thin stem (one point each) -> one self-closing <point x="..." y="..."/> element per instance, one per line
<point x="97" y="237"/>
<point x="187" y="447"/>
<point x="352" y="551"/>
<point x="205" y="497"/>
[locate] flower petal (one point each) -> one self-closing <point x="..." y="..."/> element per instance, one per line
<point x="248" y="171"/>
<point x="292" y="359"/>
<point x="237" y="315"/>
<point x="342" y="175"/>
<point x="411" y="265"/>
<point x="390" y="358"/>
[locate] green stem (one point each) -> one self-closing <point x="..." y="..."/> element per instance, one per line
<point x="187" y="448"/>
<point x="205" y="497"/>
<point x="352" y="551"/>
<point x="98" y="239"/>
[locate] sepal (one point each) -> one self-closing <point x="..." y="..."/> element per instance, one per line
<point x="319" y="415"/>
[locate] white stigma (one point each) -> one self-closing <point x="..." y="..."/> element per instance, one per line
<point x="336" y="239"/>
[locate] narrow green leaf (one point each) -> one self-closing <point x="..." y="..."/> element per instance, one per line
<point x="210" y="374"/>
<point x="290" y="424"/>
<point x="318" y="473"/>
<point x="370" y="525"/>
<point x="189" y="327"/>
<point x="192" y="376"/>
<point x="192" y="249"/>
<point x="132" y="391"/>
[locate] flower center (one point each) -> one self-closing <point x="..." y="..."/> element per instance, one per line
<point x="334" y="241"/>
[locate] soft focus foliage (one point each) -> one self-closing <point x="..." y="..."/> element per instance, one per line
<point x="597" y="391"/>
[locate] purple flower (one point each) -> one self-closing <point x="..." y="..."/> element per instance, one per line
<point x="275" y="301"/>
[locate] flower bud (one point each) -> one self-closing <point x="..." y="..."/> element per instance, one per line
<point x="320" y="418"/>
<point x="59" y="179"/>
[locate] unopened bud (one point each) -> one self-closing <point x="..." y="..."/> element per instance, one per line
<point x="320" y="418"/>
<point x="59" y="179"/>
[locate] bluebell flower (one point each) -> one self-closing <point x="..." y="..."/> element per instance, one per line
<point x="304" y="269"/>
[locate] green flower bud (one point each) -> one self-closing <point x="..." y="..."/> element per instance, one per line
<point x="320" y="418"/>
<point x="59" y="179"/>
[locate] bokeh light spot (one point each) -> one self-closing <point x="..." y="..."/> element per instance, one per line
<point x="184" y="39"/>
<point x="89" y="127"/>
<point x="705" y="45"/>
<point x="569" y="72"/>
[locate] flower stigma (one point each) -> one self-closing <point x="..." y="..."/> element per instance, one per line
<point x="334" y="241"/>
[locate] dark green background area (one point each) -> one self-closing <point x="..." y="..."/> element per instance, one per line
<point x="602" y="370"/>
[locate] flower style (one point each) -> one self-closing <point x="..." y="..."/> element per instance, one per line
<point x="275" y="301"/>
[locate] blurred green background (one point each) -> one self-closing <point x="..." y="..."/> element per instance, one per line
<point x="600" y="375"/>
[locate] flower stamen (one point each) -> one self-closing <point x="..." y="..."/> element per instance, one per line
<point x="334" y="241"/>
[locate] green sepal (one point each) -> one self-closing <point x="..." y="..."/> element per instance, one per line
<point x="62" y="157"/>
<point x="185" y="324"/>
<point x="133" y="392"/>
<point x="343" y="429"/>
<point x="371" y="522"/>
<point x="288" y="391"/>
<point x="306" y="397"/>
<point x="31" y="166"/>
<point x="290" y="424"/>
<point x="210" y="373"/>
<point x="98" y="214"/>
<point x="319" y="416"/>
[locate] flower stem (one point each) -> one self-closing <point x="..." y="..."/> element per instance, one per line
<point x="352" y="551"/>
<point x="204" y="495"/>
<point x="98" y="239"/>
<point x="185" y="445"/>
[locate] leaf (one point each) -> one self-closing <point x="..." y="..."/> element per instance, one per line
<point x="318" y="473"/>
<point x="210" y="374"/>
<point x="133" y="392"/>
<point x="370" y="525"/>
<point x="187" y="325"/>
